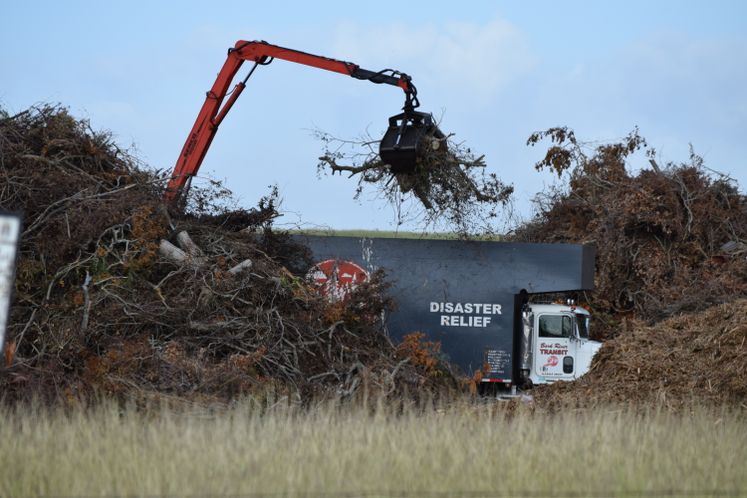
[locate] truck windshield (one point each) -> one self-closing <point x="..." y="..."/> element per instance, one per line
<point x="583" y="325"/>
<point x="554" y="326"/>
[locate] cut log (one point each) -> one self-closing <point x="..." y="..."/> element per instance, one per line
<point x="177" y="255"/>
<point x="171" y="252"/>
<point x="188" y="245"/>
<point x="244" y="265"/>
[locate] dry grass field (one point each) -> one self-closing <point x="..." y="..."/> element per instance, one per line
<point x="468" y="450"/>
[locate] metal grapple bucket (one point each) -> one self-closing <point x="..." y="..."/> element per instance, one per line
<point x="405" y="140"/>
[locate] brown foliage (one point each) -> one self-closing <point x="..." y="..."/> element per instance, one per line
<point x="421" y="353"/>
<point x="668" y="239"/>
<point x="99" y="310"/>
<point x="693" y="358"/>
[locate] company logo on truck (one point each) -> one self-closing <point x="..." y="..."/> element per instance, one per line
<point x="465" y="314"/>
<point x="552" y="361"/>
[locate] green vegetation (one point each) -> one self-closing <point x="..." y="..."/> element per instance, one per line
<point x="476" y="449"/>
<point x="390" y="234"/>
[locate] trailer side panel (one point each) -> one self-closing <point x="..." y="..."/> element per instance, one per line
<point x="461" y="293"/>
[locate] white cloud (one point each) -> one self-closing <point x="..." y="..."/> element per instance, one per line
<point x="470" y="58"/>
<point x="678" y="88"/>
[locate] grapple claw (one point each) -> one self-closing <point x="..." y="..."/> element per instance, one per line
<point x="405" y="139"/>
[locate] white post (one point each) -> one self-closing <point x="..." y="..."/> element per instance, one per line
<point x="10" y="231"/>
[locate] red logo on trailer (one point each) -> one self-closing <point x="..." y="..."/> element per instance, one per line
<point x="336" y="278"/>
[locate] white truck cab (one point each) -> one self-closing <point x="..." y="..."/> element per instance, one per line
<point x="555" y="343"/>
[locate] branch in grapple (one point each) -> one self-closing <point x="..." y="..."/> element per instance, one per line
<point x="448" y="180"/>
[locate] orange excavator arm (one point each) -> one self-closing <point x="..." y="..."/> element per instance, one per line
<point x="214" y="109"/>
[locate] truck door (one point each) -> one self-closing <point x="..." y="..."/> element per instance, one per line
<point x="555" y="350"/>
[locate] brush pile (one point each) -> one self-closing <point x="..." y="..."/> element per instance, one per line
<point x="693" y="358"/>
<point x="117" y="297"/>
<point x="669" y="239"/>
<point x="671" y="275"/>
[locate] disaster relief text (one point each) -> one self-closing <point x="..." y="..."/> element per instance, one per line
<point x="465" y="314"/>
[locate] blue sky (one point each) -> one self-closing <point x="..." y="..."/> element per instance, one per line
<point x="493" y="71"/>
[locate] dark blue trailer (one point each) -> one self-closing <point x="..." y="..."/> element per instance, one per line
<point x="471" y="297"/>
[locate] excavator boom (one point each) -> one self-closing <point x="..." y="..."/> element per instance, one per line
<point x="216" y="105"/>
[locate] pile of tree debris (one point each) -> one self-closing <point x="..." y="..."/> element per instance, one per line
<point x="115" y="296"/>
<point x="669" y="239"/>
<point x="693" y="358"/>
<point x="671" y="274"/>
